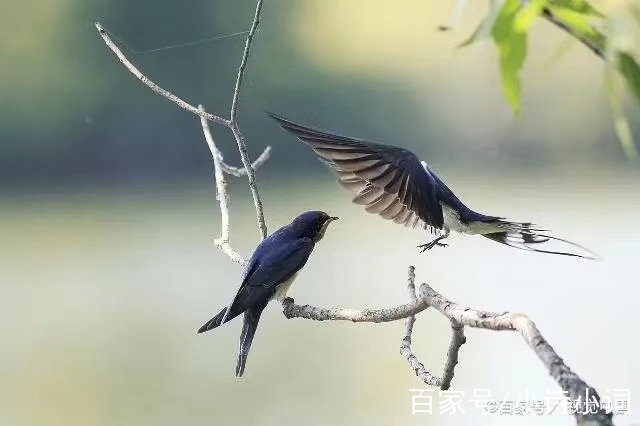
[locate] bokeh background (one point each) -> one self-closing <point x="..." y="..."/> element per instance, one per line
<point x="108" y="213"/>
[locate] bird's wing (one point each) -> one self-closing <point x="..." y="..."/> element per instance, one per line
<point x="388" y="180"/>
<point x="269" y="266"/>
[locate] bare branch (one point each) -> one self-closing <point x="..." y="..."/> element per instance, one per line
<point x="243" y="62"/>
<point x="457" y="340"/>
<point x="241" y="171"/>
<point x="569" y="381"/>
<point x="251" y="177"/>
<point x="411" y="284"/>
<point x="231" y="123"/>
<point x="221" y="242"/>
<point x="153" y="86"/>
<point x="291" y="310"/>
<point x="405" y="347"/>
<point x="460" y="316"/>
<point x="414" y="363"/>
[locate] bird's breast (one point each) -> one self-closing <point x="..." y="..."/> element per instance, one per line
<point x="452" y="220"/>
<point x="282" y="288"/>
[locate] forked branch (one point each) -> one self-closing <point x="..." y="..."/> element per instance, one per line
<point x="231" y="123"/>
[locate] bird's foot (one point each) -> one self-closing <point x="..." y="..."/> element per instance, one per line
<point x="431" y="244"/>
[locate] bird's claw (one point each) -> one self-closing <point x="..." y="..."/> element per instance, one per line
<point x="425" y="247"/>
<point x="430" y="245"/>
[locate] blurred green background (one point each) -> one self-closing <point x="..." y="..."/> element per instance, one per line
<point x="107" y="266"/>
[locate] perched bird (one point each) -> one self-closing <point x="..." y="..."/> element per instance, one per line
<point x="269" y="274"/>
<point x="393" y="183"/>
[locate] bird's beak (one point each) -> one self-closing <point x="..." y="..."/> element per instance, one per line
<point x="325" y="225"/>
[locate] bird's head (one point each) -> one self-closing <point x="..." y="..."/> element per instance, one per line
<point x="312" y="224"/>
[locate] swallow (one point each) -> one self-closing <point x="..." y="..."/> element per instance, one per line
<point x="392" y="182"/>
<point x="273" y="267"/>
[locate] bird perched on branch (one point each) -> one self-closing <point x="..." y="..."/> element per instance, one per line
<point x="392" y="182"/>
<point x="269" y="274"/>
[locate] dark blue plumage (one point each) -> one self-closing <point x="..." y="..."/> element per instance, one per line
<point x="269" y="272"/>
<point x="393" y="183"/>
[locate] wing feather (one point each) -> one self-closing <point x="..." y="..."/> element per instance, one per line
<point x="368" y="196"/>
<point x="387" y="180"/>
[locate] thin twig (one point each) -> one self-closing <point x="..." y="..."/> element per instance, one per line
<point x="153" y="86"/>
<point x="414" y="363"/>
<point x="243" y="62"/>
<point x="251" y="177"/>
<point x="241" y="171"/>
<point x="457" y="340"/>
<point x="231" y="123"/>
<point x="221" y="242"/>
<point x="242" y="147"/>
<point x="405" y="346"/>
<point x="549" y="16"/>
<point x="411" y="284"/>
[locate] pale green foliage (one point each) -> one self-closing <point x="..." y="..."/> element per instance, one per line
<point x="528" y="14"/>
<point x="615" y="38"/>
<point x="512" y="45"/>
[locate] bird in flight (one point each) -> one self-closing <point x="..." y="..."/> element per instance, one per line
<point x="269" y="274"/>
<point x="392" y="182"/>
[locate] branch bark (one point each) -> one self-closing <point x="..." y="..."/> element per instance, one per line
<point x="460" y="317"/>
<point x="405" y="347"/>
<point x="233" y="124"/>
<point x="241" y="171"/>
<point x="457" y="340"/>
<point x="153" y="86"/>
<point x="291" y="310"/>
<point x="222" y="242"/>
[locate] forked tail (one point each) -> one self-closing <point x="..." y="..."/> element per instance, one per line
<point x="214" y="322"/>
<point x="249" y="326"/>
<point x="525" y="236"/>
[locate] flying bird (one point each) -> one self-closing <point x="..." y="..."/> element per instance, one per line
<point x="392" y="182"/>
<point x="269" y="274"/>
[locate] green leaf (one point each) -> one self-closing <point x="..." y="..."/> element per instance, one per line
<point x="620" y="120"/>
<point x="578" y="6"/>
<point x="577" y="21"/>
<point x="631" y="72"/>
<point x="528" y="14"/>
<point x="626" y="137"/>
<point x="512" y="46"/>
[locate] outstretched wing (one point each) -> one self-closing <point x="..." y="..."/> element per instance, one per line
<point x="388" y="180"/>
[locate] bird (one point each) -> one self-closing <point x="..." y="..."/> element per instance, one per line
<point x="394" y="183"/>
<point x="269" y="273"/>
